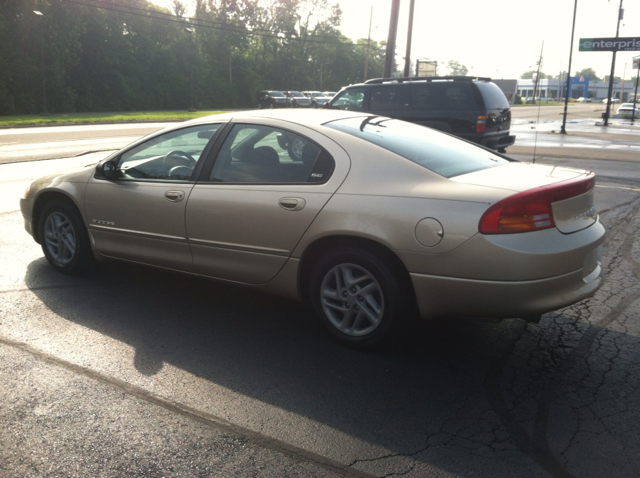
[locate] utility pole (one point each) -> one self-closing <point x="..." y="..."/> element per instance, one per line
<point x="568" y="88"/>
<point x="391" y="39"/>
<point x="537" y="80"/>
<point x="407" y="57"/>
<point x="366" y="58"/>
<point x="613" y="69"/>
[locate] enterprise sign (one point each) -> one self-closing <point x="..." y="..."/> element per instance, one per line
<point x="610" y="44"/>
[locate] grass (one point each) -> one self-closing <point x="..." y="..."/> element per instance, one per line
<point x="85" y="118"/>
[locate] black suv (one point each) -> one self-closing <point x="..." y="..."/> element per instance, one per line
<point x="472" y="108"/>
<point x="273" y="99"/>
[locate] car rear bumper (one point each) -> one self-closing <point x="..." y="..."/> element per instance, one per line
<point x="448" y="296"/>
<point x="499" y="142"/>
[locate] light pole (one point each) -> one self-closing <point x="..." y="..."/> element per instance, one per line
<point x="44" y="84"/>
<point x="636" y="64"/>
<point x="613" y="69"/>
<point x="191" y="31"/>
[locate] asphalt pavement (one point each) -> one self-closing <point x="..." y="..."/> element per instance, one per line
<point x="124" y="373"/>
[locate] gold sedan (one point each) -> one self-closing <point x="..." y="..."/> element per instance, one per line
<point x="366" y="217"/>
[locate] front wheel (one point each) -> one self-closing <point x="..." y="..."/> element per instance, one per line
<point x="358" y="297"/>
<point x="64" y="238"/>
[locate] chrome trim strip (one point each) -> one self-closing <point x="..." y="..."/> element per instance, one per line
<point x="240" y="247"/>
<point x="139" y="233"/>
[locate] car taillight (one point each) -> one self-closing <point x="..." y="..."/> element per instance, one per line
<point x="481" y="124"/>
<point x="531" y="210"/>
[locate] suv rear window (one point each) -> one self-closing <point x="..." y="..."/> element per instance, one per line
<point x="441" y="153"/>
<point x="494" y="98"/>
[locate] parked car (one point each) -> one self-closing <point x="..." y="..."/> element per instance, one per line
<point x="317" y="98"/>
<point x="614" y="100"/>
<point x="298" y="99"/>
<point x="472" y="108"/>
<point x="329" y="94"/>
<point x="273" y="99"/>
<point x="379" y="219"/>
<point x="628" y="109"/>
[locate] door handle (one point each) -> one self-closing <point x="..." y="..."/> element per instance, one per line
<point x="174" y="196"/>
<point x="292" y="204"/>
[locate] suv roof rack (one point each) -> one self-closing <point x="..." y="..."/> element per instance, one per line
<point x="426" y="78"/>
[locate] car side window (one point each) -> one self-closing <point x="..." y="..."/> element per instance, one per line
<point x="386" y="98"/>
<point x="350" y="99"/>
<point x="258" y="154"/>
<point x="168" y="157"/>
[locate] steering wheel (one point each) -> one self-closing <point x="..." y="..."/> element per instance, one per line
<point x="179" y="155"/>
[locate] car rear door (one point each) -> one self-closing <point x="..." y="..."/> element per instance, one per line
<point x="253" y="204"/>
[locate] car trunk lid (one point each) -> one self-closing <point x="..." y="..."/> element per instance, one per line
<point x="536" y="197"/>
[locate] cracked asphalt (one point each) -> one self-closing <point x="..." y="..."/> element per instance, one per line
<point x="133" y="372"/>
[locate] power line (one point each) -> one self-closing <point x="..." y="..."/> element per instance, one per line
<point x="158" y="15"/>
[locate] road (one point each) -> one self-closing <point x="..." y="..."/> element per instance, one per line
<point x="135" y="372"/>
<point x="52" y="142"/>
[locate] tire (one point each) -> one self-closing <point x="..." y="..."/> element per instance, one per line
<point x="358" y="297"/>
<point x="64" y="238"/>
<point x="295" y="148"/>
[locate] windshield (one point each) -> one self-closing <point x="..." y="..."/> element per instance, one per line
<point x="276" y="93"/>
<point x="297" y="94"/>
<point x="436" y="151"/>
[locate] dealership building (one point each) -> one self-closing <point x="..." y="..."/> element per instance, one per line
<point x="580" y="86"/>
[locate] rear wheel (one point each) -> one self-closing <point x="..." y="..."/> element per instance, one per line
<point x="358" y="296"/>
<point x="64" y="238"/>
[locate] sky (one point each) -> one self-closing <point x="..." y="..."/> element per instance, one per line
<point x="499" y="38"/>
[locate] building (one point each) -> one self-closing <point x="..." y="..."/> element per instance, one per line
<point x="581" y="87"/>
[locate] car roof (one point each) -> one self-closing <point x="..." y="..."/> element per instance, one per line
<point x="306" y="117"/>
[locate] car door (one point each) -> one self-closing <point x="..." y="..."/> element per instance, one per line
<point x="140" y="214"/>
<point x="247" y="214"/>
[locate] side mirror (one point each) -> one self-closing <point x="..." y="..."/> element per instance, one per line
<point x="107" y="170"/>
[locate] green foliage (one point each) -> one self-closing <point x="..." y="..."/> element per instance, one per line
<point x="588" y="72"/>
<point x="124" y="59"/>
<point x="85" y="118"/>
<point x="454" y="68"/>
<point x="530" y="74"/>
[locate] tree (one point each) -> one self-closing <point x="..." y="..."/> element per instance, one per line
<point x="616" y="79"/>
<point x="527" y="75"/>
<point x="454" y="68"/>
<point x="588" y="73"/>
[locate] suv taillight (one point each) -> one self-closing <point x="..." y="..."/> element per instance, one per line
<point x="481" y="124"/>
<point x="531" y="210"/>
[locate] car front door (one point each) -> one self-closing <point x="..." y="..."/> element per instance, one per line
<point x="140" y="214"/>
<point x="250" y="210"/>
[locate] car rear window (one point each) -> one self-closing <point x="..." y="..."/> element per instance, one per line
<point x="439" y="152"/>
<point x="494" y="98"/>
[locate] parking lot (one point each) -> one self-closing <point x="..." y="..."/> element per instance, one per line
<point x="133" y="372"/>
